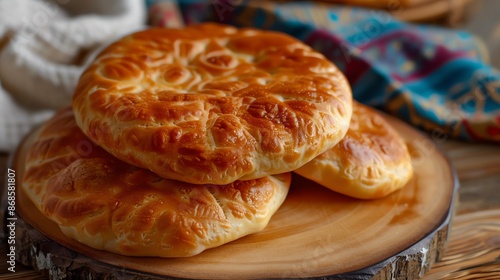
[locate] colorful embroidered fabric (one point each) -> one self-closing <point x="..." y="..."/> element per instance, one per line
<point x="434" y="78"/>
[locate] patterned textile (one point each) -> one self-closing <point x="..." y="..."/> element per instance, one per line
<point x="434" y="78"/>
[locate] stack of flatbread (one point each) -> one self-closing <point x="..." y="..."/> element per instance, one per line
<point x="180" y="140"/>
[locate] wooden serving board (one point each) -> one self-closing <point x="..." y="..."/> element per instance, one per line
<point x="316" y="233"/>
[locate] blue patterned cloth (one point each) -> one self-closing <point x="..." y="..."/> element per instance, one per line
<point x="434" y="78"/>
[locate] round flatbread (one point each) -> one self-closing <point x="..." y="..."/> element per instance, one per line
<point x="213" y="103"/>
<point x="371" y="161"/>
<point x="110" y="205"/>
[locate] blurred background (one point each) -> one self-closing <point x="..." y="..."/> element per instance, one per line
<point x="483" y="20"/>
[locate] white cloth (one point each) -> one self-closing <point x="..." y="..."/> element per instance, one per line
<point x="44" y="46"/>
<point x="16" y="121"/>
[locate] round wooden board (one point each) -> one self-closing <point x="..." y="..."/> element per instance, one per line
<point x="315" y="233"/>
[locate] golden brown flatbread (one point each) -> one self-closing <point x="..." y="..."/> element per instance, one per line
<point x="212" y="103"/>
<point x="110" y="205"/>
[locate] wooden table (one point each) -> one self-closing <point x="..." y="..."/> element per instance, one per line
<point x="473" y="249"/>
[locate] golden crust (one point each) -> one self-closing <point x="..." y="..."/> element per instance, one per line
<point x="370" y="162"/>
<point x="110" y="205"/>
<point x="212" y="103"/>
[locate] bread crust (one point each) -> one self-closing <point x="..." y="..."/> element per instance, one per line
<point x="371" y="161"/>
<point x="110" y="205"/>
<point x="212" y="103"/>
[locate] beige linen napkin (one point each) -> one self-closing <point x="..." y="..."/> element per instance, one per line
<point x="44" y="46"/>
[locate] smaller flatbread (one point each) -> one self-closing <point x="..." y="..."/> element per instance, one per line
<point x="371" y="161"/>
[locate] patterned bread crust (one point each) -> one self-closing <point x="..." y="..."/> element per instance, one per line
<point x="110" y="205"/>
<point x="371" y="161"/>
<point x="212" y="103"/>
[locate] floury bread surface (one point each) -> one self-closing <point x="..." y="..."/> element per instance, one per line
<point x="212" y="103"/>
<point x="110" y="205"/>
<point x="371" y="161"/>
